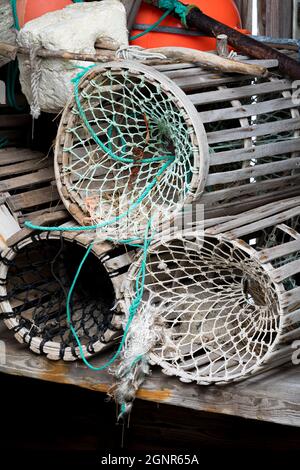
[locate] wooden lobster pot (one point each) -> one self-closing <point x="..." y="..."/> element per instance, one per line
<point x="37" y="270"/>
<point x="227" y="300"/>
<point x="132" y="106"/>
<point x="252" y="127"/>
<point x="249" y="148"/>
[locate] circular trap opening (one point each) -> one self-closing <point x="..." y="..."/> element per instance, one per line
<point x="218" y="307"/>
<point x="38" y="277"/>
<point x="131" y="140"/>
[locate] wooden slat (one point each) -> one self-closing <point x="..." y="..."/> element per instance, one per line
<point x="248" y="110"/>
<point x="255" y="153"/>
<point x="273" y="396"/>
<point x="57" y="217"/>
<point x="292" y="297"/>
<point x="286" y="271"/>
<point x="279" y="18"/>
<point x="251" y="216"/>
<point x="253" y="171"/>
<point x="239" y="92"/>
<point x="33" y="198"/>
<point x="190" y="83"/>
<point x="41" y="176"/>
<point x="251" y="202"/>
<point x="245" y="8"/>
<point x="270" y="254"/>
<point x="251" y="188"/>
<point x="264" y="223"/>
<point x="15" y="155"/>
<point x="256" y="130"/>
<point x="24" y="167"/>
<point x="33" y="215"/>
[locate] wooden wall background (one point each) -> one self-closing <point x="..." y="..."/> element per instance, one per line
<point x="275" y="17"/>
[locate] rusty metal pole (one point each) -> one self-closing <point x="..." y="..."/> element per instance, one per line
<point x="196" y="19"/>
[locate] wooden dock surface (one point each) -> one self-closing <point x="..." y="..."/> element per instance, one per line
<point x="272" y="397"/>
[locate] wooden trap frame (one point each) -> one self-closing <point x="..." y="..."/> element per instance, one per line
<point x="224" y="302"/>
<point x="37" y="270"/>
<point x="249" y="150"/>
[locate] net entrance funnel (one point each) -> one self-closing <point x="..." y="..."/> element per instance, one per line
<point x="130" y="147"/>
<point x="225" y="301"/>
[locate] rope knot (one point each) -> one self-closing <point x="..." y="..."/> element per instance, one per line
<point x="179" y="8"/>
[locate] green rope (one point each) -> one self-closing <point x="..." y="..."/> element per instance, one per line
<point x="140" y="283"/>
<point x="177" y="7"/>
<point x="171" y="6"/>
<point x="93" y="134"/>
<point x="106" y="223"/>
<point x="3" y="142"/>
<point x="13" y="4"/>
<point x="152" y="27"/>
<point x="140" y="280"/>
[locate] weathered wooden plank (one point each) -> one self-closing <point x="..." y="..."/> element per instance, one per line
<point x="292" y="297"/>
<point x="279" y="18"/>
<point x="264" y="223"/>
<point x="16" y="155"/>
<point x="190" y="83"/>
<point x="255" y="130"/>
<point x="253" y="171"/>
<point x="24" y="167"/>
<point x="286" y="271"/>
<point x="41" y="176"/>
<point x="255" y="153"/>
<point x="251" y="202"/>
<point x="270" y="254"/>
<point x="257" y="214"/>
<point x="239" y="92"/>
<point x="247" y="189"/>
<point x="249" y="110"/>
<point x="33" y="198"/>
<point x="273" y="396"/>
<point x="45" y="219"/>
<point x="245" y="8"/>
<point x="33" y="215"/>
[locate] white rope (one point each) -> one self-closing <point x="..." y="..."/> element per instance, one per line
<point x="137" y="53"/>
<point x="232" y="55"/>
<point x="36" y="71"/>
<point x="144" y="333"/>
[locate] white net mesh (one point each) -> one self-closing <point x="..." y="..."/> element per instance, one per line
<point x="220" y="312"/>
<point x="130" y="148"/>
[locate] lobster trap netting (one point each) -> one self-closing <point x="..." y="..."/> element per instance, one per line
<point x="130" y="147"/>
<point x="226" y="305"/>
<point x="36" y="276"/>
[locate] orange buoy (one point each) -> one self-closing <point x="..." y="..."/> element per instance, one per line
<point x="222" y="10"/>
<point x="28" y="10"/>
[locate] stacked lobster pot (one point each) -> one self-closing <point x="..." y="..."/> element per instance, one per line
<point x="37" y="270"/>
<point x="135" y="146"/>
<point x="116" y="121"/>
<point x="214" y="308"/>
<point x="224" y="302"/>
